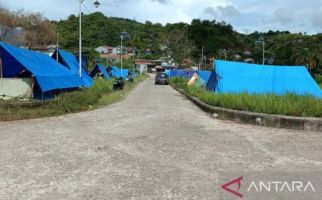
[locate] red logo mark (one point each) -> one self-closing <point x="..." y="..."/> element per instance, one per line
<point x="237" y="181"/>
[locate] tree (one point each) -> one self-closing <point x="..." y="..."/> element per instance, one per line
<point x="38" y="31"/>
<point x="136" y="42"/>
<point x="179" y="45"/>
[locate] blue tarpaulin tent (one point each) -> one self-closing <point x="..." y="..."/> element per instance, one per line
<point x="70" y="61"/>
<point x="233" y="77"/>
<point x="181" y="73"/>
<point x="49" y="74"/>
<point x="116" y="72"/>
<point x="100" y="68"/>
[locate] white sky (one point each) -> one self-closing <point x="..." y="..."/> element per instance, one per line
<point x="245" y="15"/>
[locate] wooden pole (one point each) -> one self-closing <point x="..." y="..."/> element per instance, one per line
<point x="32" y="88"/>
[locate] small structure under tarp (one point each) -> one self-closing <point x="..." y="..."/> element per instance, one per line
<point x="48" y="74"/>
<point x="100" y="70"/>
<point x="16" y="88"/>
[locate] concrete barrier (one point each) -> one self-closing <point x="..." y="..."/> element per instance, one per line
<point x="261" y="119"/>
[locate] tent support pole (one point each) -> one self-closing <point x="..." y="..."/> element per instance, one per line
<point x="32" y="88"/>
<point x="1" y="68"/>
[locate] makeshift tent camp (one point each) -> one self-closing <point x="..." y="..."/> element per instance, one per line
<point x="116" y="72"/>
<point x="49" y="74"/>
<point x="181" y="73"/>
<point x="70" y="61"/>
<point x="233" y="77"/>
<point x="99" y="68"/>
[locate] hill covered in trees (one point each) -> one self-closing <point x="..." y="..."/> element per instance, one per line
<point x="179" y="40"/>
<point x="186" y="40"/>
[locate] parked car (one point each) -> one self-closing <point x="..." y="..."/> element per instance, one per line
<point x="162" y="79"/>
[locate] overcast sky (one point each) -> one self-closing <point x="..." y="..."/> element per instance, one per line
<point x="245" y="15"/>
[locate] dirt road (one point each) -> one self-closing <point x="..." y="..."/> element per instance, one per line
<point x="153" y="145"/>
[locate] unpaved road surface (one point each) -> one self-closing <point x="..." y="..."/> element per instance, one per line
<point x="153" y="145"/>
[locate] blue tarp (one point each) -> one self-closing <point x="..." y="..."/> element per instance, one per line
<point x="204" y="75"/>
<point x="181" y="73"/>
<point x="70" y="61"/>
<point x="49" y="74"/>
<point x="116" y="72"/>
<point x="102" y="69"/>
<point x="233" y="77"/>
<point x="133" y="75"/>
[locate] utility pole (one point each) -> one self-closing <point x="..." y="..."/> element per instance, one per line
<point x="201" y="57"/>
<point x="80" y="38"/>
<point x="96" y="4"/>
<point x="225" y="53"/>
<point x="121" y="55"/>
<point x="261" y="40"/>
<point x="124" y="35"/>
<point x="57" y="47"/>
<point x="263" y="51"/>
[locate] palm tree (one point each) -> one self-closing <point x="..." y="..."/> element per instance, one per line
<point x="304" y="56"/>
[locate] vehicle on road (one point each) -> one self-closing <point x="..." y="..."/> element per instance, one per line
<point x="162" y="79"/>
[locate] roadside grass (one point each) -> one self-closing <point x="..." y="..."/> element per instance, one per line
<point x="101" y="94"/>
<point x="288" y="104"/>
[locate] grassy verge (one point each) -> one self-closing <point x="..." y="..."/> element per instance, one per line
<point x="289" y="104"/>
<point x="101" y="94"/>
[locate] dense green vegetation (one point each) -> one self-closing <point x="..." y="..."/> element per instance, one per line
<point x="100" y="94"/>
<point x="289" y="104"/>
<point x="318" y="78"/>
<point x="182" y="40"/>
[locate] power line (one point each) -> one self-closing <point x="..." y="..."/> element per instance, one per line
<point x="84" y="5"/>
<point x="86" y="8"/>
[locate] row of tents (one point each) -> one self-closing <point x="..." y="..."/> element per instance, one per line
<point x="236" y="77"/>
<point x="51" y="74"/>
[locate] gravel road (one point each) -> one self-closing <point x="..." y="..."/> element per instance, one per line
<point x="153" y="145"/>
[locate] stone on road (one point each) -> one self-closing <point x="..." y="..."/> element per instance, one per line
<point x="153" y="145"/>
